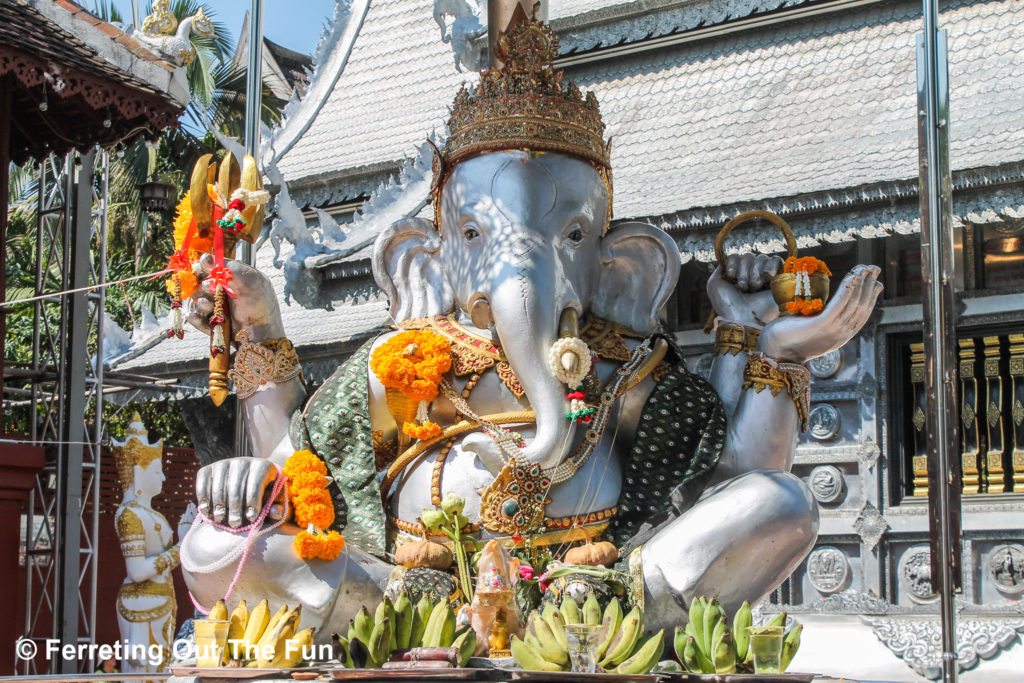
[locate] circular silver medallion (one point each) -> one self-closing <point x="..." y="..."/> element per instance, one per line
<point x="826" y="365"/>
<point x="827" y="484"/>
<point x="828" y="569"/>
<point x="824" y="422"/>
<point x="1006" y="567"/>
<point x="915" y="574"/>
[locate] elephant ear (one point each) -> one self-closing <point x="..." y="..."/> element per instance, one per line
<point x="639" y="270"/>
<point x="407" y="267"/>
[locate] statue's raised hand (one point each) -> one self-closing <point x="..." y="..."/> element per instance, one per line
<point x="739" y="291"/>
<point x="798" y="338"/>
<point x="254" y="309"/>
<point x="232" y="489"/>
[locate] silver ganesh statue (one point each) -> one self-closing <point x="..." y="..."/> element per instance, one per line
<point x="565" y="405"/>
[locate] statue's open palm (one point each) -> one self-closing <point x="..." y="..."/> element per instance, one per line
<point x="798" y="338"/>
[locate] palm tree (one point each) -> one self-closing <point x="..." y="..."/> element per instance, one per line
<point x="217" y="90"/>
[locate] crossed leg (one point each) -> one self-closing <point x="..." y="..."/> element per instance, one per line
<point x="330" y="592"/>
<point x="739" y="541"/>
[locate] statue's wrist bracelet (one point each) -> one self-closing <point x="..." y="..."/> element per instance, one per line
<point x="258" y="364"/>
<point x="168" y="559"/>
<point x="733" y="338"/>
<point x="763" y="373"/>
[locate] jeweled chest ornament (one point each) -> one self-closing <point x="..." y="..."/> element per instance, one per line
<point x="515" y="500"/>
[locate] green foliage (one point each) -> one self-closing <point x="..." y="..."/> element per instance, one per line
<point x="163" y="419"/>
<point x="137" y="242"/>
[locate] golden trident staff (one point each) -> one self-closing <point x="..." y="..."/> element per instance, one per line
<point x="216" y="212"/>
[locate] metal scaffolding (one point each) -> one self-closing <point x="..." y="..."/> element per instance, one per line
<point x="66" y="403"/>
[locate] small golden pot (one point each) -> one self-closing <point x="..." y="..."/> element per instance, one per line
<point x="784" y="289"/>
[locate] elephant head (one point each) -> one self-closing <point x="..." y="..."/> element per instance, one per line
<point x="522" y="239"/>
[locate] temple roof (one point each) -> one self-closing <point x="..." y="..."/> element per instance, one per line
<point x="812" y="103"/>
<point x="101" y="85"/>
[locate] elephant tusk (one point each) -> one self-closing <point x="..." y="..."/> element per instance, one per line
<point x="568" y="324"/>
<point x="480" y="311"/>
<point x="570" y="361"/>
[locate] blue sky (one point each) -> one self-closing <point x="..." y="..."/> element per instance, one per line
<point x="296" y="24"/>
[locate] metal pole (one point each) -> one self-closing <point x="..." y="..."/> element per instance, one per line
<point x="253" y="106"/>
<point x="97" y="439"/>
<point x="939" y="321"/>
<point x="72" y="426"/>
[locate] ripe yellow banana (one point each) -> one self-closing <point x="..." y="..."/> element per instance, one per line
<point x="258" y="621"/>
<point x="236" y="631"/>
<point x="293" y="650"/>
<point x="219" y="612"/>
<point x="271" y="630"/>
<point x="529" y="659"/>
<point x="276" y="638"/>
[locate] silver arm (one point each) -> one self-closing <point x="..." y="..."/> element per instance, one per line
<point x="231" y="490"/>
<point x="763" y="428"/>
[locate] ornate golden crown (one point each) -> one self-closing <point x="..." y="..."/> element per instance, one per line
<point x="134" y="450"/>
<point x="524" y="105"/>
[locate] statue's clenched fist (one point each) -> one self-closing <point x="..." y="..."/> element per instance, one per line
<point x="253" y="309"/>
<point x="739" y="292"/>
<point x="231" y="490"/>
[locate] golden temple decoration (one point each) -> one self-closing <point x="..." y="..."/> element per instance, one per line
<point x="524" y="105"/>
<point x="920" y="458"/>
<point x="762" y="373"/>
<point x="970" y="448"/>
<point x="993" y="472"/>
<point x="471" y="353"/>
<point x="514" y="502"/>
<point x="258" y="364"/>
<point x="160" y="20"/>
<point x="1017" y="412"/>
<point x="131" y="534"/>
<point x="134" y="450"/>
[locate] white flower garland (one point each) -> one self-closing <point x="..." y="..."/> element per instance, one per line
<point x="573" y="345"/>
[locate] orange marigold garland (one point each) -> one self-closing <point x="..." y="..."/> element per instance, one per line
<point x="803" y="267"/>
<point x="413" y="363"/>
<point x="314" y="511"/>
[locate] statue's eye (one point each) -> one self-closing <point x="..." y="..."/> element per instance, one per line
<point x="470" y="233"/>
<point x="576" y="235"/>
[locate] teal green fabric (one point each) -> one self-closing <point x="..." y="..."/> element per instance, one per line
<point x="335" y="425"/>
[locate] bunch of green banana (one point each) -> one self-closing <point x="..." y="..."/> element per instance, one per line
<point x="398" y="626"/>
<point x="257" y="639"/>
<point x="621" y="646"/>
<point x="707" y="645"/>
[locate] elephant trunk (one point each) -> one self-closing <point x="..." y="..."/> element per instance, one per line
<point x="527" y="324"/>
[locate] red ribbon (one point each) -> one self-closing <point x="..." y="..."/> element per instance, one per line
<point x="220" y="274"/>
